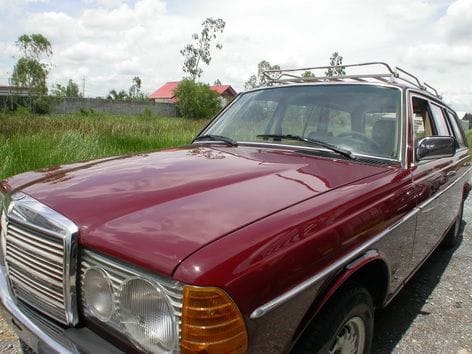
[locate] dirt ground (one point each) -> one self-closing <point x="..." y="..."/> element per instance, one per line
<point x="8" y="339"/>
<point x="432" y="313"/>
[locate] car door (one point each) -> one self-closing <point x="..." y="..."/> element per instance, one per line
<point x="438" y="194"/>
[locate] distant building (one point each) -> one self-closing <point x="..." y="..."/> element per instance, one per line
<point x="165" y="93"/>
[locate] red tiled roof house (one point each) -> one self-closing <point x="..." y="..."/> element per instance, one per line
<point x="165" y="93"/>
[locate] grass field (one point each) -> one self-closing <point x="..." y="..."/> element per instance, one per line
<point x="32" y="142"/>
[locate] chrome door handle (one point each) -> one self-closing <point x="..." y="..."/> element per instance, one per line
<point x="451" y="174"/>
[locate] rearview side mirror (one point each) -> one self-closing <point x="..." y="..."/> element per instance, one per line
<point x="433" y="147"/>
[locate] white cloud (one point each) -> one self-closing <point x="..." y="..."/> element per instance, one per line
<point x="111" y="41"/>
<point x="109" y="4"/>
<point x="456" y="26"/>
<point x="18" y="4"/>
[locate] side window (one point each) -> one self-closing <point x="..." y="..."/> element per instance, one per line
<point x="455" y="128"/>
<point x="430" y="119"/>
<point x="422" y="121"/>
<point x="439" y="120"/>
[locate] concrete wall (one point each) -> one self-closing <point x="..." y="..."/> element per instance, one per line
<point x="72" y="105"/>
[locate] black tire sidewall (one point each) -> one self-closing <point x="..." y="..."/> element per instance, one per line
<point x="452" y="237"/>
<point x="361" y="311"/>
<point x="25" y="349"/>
<point x="350" y="302"/>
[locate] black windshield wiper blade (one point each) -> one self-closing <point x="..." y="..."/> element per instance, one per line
<point x="212" y="137"/>
<point x="321" y="143"/>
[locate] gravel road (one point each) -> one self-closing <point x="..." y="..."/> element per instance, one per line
<point x="432" y="313"/>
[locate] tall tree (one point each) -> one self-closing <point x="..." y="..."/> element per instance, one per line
<point x="196" y="100"/>
<point x="135" y="89"/>
<point x="117" y="95"/>
<point x="336" y="70"/>
<point x="308" y="74"/>
<point x="260" y="79"/>
<point x="70" y="90"/>
<point x="199" y="50"/>
<point x="30" y="71"/>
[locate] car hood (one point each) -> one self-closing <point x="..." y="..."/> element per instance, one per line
<point x="156" y="209"/>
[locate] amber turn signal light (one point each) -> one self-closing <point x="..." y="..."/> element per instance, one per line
<point x="211" y="322"/>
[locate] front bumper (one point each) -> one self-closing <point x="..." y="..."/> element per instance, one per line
<point x="43" y="335"/>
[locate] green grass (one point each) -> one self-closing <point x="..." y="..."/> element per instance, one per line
<point x="468" y="134"/>
<point x="32" y="142"/>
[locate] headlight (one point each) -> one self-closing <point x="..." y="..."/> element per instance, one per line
<point x="158" y="314"/>
<point x="98" y="293"/>
<point x="147" y="315"/>
<point x="145" y="308"/>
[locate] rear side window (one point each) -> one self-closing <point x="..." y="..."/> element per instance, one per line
<point x="455" y="128"/>
<point x="439" y="120"/>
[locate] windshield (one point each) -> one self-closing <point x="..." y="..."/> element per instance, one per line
<point x="363" y="119"/>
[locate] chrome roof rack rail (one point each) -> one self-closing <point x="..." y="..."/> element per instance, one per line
<point x="286" y="76"/>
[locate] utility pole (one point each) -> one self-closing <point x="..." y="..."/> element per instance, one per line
<point x="83" y="87"/>
<point x="9" y="93"/>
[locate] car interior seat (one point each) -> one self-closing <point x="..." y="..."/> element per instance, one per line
<point x="383" y="133"/>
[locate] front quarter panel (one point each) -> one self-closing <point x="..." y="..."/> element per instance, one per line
<point x="267" y="259"/>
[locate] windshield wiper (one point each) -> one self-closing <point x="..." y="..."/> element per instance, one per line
<point x="212" y="137"/>
<point x="321" y="143"/>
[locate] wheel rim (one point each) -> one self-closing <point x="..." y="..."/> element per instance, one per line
<point x="351" y="338"/>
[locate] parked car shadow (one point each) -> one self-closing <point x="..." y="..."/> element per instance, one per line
<point x="392" y="322"/>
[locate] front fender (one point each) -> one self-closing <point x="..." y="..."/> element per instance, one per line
<point x="368" y="270"/>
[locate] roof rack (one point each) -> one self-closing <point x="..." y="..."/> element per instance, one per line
<point x="286" y="76"/>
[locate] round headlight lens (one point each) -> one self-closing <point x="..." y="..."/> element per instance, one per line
<point x="98" y="293"/>
<point x="147" y="315"/>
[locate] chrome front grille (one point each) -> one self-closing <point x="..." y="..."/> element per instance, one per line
<point x="41" y="258"/>
<point x="35" y="263"/>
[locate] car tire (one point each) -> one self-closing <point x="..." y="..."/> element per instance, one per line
<point x="344" y="325"/>
<point x="25" y="349"/>
<point x="453" y="235"/>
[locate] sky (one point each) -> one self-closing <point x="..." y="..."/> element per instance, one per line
<point x="105" y="43"/>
